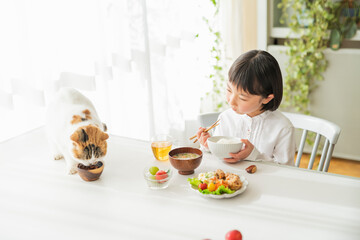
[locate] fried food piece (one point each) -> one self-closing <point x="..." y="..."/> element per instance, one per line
<point x="219" y="174"/>
<point x="233" y="181"/>
<point x="251" y="169"/>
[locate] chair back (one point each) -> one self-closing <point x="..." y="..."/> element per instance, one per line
<point x="207" y="119"/>
<point x="321" y="127"/>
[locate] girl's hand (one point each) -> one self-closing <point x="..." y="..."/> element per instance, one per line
<point x="242" y="154"/>
<point x="202" y="136"/>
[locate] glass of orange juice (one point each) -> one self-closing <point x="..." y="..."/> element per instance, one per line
<point x="161" y="146"/>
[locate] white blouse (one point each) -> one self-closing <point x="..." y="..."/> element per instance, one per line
<point x="271" y="133"/>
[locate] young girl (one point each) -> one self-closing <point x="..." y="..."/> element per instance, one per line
<point x="254" y="92"/>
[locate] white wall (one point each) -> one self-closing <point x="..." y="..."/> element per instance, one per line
<point x="337" y="98"/>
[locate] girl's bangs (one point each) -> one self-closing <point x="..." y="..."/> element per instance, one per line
<point x="245" y="79"/>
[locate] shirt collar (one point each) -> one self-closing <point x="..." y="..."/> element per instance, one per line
<point x="260" y="116"/>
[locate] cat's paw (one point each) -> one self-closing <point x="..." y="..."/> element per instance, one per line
<point x="58" y="156"/>
<point x="71" y="170"/>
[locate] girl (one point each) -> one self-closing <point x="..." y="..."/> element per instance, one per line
<point x="254" y="92"/>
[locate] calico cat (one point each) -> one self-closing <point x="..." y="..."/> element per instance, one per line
<point x="74" y="130"/>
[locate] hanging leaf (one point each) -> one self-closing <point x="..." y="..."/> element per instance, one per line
<point x="335" y="39"/>
<point x="351" y="31"/>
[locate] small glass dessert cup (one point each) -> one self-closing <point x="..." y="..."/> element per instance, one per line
<point x="158" y="179"/>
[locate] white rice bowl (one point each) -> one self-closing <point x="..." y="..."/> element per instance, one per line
<point x="228" y="141"/>
<point x="221" y="146"/>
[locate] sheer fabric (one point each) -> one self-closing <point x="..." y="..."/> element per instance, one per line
<point x="142" y="63"/>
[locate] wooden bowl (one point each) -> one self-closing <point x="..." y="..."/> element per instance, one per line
<point x="188" y="165"/>
<point x="90" y="173"/>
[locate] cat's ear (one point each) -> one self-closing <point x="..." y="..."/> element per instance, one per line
<point x="104" y="127"/>
<point x="79" y="136"/>
<point x="104" y="136"/>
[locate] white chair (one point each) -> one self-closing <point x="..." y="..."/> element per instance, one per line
<point x="321" y="127"/>
<point x="207" y="119"/>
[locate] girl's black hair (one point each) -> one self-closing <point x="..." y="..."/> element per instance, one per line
<point x="258" y="73"/>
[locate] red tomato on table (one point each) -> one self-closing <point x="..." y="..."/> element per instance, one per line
<point x="233" y="235"/>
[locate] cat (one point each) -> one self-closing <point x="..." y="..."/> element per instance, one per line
<point x="74" y="130"/>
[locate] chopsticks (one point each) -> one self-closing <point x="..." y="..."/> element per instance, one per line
<point x="206" y="130"/>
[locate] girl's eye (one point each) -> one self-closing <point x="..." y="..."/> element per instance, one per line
<point x="242" y="99"/>
<point x="228" y="90"/>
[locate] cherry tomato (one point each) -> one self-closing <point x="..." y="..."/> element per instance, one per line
<point x="211" y="187"/>
<point x="203" y="186"/>
<point x="161" y="175"/>
<point x="233" y="235"/>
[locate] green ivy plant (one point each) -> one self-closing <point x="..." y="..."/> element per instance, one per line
<point x="345" y="26"/>
<point x="309" y="20"/>
<point x="217" y="74"/>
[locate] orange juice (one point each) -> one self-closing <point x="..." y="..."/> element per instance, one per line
<point x="161" y="150"/>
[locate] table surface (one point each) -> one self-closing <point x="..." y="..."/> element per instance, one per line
<point x="38" y="199"/>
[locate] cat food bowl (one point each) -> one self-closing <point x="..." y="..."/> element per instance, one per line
<point x="90" y="173"/>
<point x="185" y="159"/>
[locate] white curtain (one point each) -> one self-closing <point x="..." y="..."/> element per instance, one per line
<point x="142" y="62"/>
<point x="239" y="27"/>
<point x="232" y="29"/>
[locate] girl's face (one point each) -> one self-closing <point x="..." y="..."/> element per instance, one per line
<point x="245" y="103"/>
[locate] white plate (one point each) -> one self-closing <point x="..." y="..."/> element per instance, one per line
<point x="225" y="195"/>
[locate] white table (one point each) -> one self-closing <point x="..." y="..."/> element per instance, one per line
<point x="38" y="200"/>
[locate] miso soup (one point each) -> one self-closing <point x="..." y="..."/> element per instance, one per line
<point x="184" y="156"/>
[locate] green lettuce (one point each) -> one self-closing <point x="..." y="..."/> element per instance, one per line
<point x="221" y="190"/>
<point x="194" y="182"/>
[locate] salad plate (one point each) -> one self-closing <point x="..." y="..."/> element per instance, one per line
<point x="225" y="195"/>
